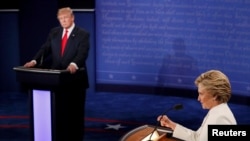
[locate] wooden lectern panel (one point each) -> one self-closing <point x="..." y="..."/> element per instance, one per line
<point x="138" y="134"/>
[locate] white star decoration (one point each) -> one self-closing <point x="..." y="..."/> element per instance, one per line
<point x="133" y="77"/>
<point x="111" y="76"/>
<point x="115" y="127"/>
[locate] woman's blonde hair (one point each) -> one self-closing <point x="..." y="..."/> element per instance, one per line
<point x="216" y="83"/>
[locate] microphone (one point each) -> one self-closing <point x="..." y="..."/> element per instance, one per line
<point x="175" y="107"/>
<point x="41" y="61"/>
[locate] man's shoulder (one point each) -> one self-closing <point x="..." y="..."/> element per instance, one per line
<point x="80" y="30"/>
<point x="56" y="29"/>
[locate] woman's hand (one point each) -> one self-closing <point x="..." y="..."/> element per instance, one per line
<point x="165" y="121"/>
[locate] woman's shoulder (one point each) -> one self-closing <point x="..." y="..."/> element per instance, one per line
<point x="222" y="114"/>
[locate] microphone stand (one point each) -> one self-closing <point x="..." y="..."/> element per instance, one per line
<point x="158" y="123"/>
<point x="176" y="107"/>
<point x="40" y="65"/>
<point x="153" y="131"/>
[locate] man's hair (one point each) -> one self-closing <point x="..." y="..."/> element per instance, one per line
<point x="65" y="10"/>
<point x="216" y="83"/>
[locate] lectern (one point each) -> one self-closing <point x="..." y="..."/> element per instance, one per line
<point x="142" y="133"/>
<point x="56" y="103"/>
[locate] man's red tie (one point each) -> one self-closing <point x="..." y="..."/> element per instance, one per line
<point x="64" y="41"/>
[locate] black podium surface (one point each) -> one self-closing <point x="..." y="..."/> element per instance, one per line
<point x="44" y="78"/>
<point x="56" y="103"/>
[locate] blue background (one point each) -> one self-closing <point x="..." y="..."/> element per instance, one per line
<point x="169" y="43"/>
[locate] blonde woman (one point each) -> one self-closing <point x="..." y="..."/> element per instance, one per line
<point x="214" y="91"/>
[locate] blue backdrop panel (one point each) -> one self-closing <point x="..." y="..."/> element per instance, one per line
<point x="9" y="51"/>
<point x="169" y="43"/>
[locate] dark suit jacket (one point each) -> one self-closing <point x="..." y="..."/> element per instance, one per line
<point x="76" y="50"/>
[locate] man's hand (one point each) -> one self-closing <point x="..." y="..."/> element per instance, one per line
<point x="72" y="69"/>
<point x="29" y="64"/>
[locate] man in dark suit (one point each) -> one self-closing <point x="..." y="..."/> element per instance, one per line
<point x="72" y="58"/>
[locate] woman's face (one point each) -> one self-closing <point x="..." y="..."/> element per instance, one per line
<point x="206" y="99"/>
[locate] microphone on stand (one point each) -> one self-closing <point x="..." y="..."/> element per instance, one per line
<point x="175" y="107"/>
<point x="41" y="61"/>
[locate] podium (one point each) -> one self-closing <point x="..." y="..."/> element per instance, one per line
<point x="56" y="101"/>
<point x="142" y="133"/>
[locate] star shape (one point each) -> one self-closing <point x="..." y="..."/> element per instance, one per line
<point x="115" y="127"/>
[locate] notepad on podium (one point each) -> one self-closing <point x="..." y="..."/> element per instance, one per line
<point x="154" y="137"/>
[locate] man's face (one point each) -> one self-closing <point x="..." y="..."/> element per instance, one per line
<point x="66" y="20"/>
